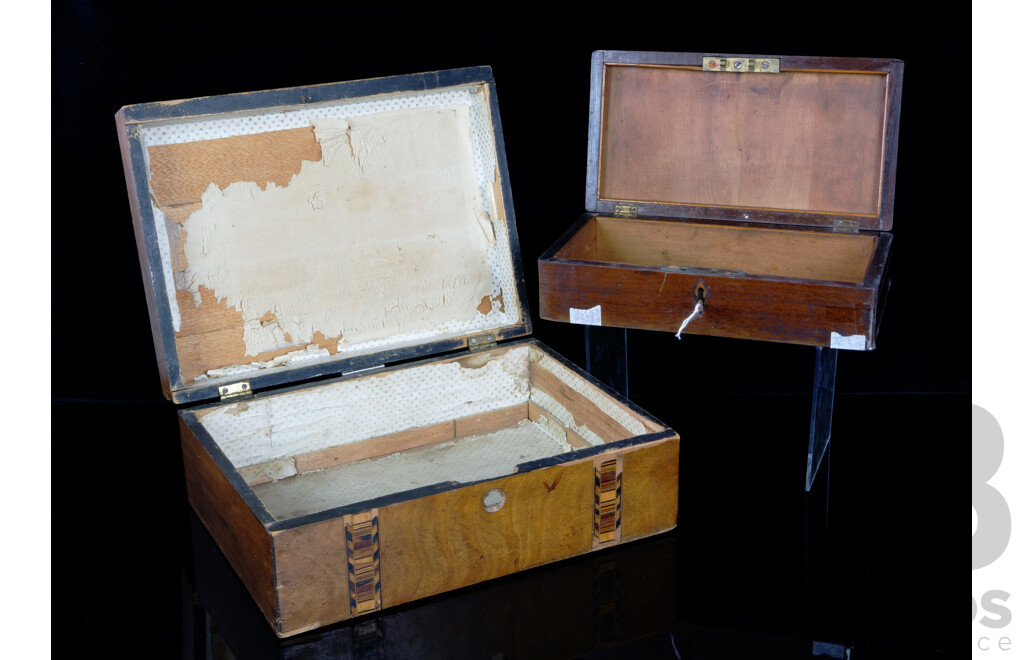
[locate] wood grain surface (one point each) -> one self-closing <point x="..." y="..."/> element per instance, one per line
<point x="800" y="312"/>
<point x="180" y="173"/>
<point x="650" y="486"/>
<point x="584" y="411"/>
<point x="244" y="540"/>
<point x="797" y="140"/>
<point x="754" y="250"/>
<point x="312" y="576"/>
<point x="446" y="541"/>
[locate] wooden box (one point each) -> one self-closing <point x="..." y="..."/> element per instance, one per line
<point x="753" y="193"/>
<point x="365" y="231"/>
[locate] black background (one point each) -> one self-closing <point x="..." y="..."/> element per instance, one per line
<point x="118" y="515"/>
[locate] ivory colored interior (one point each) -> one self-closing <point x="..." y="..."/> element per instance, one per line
<point x="376" y="224"/>
<point x="464" y="419"/>
<point x="753" y="250"/>
<point x="797" y="140"/>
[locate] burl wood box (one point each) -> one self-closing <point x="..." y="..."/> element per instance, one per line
<point x="752" y="193"/>
<point x="365" y="231"/>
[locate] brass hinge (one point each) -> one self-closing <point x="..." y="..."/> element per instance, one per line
<point x="625" y="211"/>
<point x="482" y="342"/>
<point x="742" y="64"/>
<point x="235" y="391"/>
<point x="841" y="226"/>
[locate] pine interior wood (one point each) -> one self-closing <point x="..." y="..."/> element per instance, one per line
<point x="793" y="141"/>
<point x="753" y="250"/>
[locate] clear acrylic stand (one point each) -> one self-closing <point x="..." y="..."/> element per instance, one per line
<point x="608" y="362"/>
<point x="821" y="410"/>
<point x="606" y="357"/>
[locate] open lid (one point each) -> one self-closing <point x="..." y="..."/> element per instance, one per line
<point x="291" y="233"/>
<point x="791" y="140"/>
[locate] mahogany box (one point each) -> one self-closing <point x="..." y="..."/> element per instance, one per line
<point x="751" y="196"/>
<point x="334" y="278"/>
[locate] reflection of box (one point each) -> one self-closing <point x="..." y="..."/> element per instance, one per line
<point x="760" y="187"/>
<point x="295" y="233"/>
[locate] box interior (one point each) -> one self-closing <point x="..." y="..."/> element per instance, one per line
<point x="463" y="419"/>
<point x="308" y="234"/>
<point x="801" y="140"/>
<point x="753" y="250"/>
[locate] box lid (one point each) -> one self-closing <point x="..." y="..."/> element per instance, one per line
<point x="291" y="233"/>
<point x="791" y="140"/>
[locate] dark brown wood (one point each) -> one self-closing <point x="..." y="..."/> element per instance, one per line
<point x="246" y="543"/>
<point x="756" y="307"/>
<point x="794" y="141"/>
<point x="831" y="153"/>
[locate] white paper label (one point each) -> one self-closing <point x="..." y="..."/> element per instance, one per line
<point x="590" y="316"/>
<point x="853" y="342"/>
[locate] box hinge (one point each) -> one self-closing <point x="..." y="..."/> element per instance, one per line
<point x="742" y="64"/>
<point x="625" y="211"/>
<point x="841" y="226"/>
<point x="482" y="342"/>
<point x="235" y="391"/>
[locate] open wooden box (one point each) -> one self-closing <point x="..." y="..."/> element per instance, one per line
<point x="341" y="229"/>
<point x="759" y="187"/>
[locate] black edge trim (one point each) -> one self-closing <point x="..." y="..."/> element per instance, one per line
<point x="147" y="225"/>
<point x="594" y="131"/>
<point x="448" y="486"/>
<point x="305" y="95"/>
<point x="510" y="215"/>
<point x="244" y="491"/>
<point x="274" y="378"/>
<point x="298" y="386"/>
<point x="595" y="450"/>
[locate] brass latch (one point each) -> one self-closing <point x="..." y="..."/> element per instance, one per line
<point x="482" y="342"/>
<point x="235" y="391"/>
<point x="625" y="211"/>
<point x="841" y="226"/>
<point x="742" y="64"/>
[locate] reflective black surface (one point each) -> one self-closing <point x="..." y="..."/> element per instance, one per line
<point x="754" y="568"/>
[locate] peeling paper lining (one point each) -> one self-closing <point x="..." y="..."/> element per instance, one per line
<point x="483" y="182"/>
<point x="260" y="430"/>
<point x="379" y="237"/>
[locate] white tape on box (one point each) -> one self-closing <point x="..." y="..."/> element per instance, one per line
<point x="852" y="343"/>
<point x="590" y="316"/>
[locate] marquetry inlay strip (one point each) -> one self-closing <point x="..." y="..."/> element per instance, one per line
<point x="607" y="499"/>
<point x="363" y="562"/>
